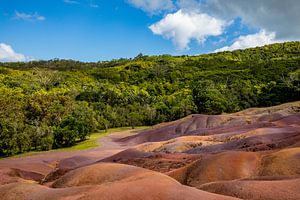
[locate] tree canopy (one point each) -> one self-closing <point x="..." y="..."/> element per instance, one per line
<point x="55" y="103"/>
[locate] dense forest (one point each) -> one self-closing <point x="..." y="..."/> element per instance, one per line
<point x="55" y="103"/>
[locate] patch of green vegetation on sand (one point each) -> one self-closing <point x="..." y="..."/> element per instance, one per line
<point x="90" y="142"/>
<point x="93" y="142"/>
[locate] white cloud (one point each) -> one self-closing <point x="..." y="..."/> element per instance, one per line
<point x="193" y="19"/>
<point x="153" y="6"/>
<point x="71" y="2"/>
<point x="7" y="54"/>
<point x="89" y="3"/>
<point x="259" y="39"/>
<point x="94" y="5"/>
<point x="182" y="27"/>
<point x="279" y="16"/>
<point x="188" y="4"/>
<point x="28" y="17"/>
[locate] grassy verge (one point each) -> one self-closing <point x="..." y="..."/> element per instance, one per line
<point x="91" y="142"/>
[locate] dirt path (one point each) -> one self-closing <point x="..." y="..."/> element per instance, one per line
<point x="44" y="162"/>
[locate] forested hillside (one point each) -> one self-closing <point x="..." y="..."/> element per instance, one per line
<point x="53" y="104"/>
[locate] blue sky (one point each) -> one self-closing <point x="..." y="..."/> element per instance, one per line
<point x="92" y="30"/>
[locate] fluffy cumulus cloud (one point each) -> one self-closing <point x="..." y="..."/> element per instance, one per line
<point x="281" y="17"/>
<point x="182" y="27"/>
<point x="28" y="17"/>
<point x="277" y="20"/>
<point x="153" y="6"/>
<point x="7" y="54"/>
<point x="254" y="40"/>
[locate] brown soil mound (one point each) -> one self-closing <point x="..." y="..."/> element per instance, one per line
<point x="11" y="175"/>
<point x="238" y="165"/>
<point x="257" y="190"/>
<point x="66" y="165"/>
<point x="98" y="174"/>
<point x="253" y="154"/>
<point x="31" y="191"/>
<point x="177" y="145"/>
<point x="200" y="124"/>
<point x="6" y="178"/>
<point x="26" y="174"/>
<point x="183" y="127"/>
<point x="161" y="162"/>
<point x="223" y="166"/>
<point x="152" y="187"/>
<point x="285" y="162"/>
<point x="108" y="182"/>
<point x="74" y="162"/>
<point x="259" y="140"/>
<point x="52" y="165"/>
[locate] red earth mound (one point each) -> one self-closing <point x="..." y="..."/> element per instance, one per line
<point x="48" y="166"/>
<point x="108" y="182"/>
<point x="253" y="154"/>
<point x="223" y="166"/>
<point x="285" y="162"/>
<point x="261" y="139"/>
<point x="33" y="191"/>
<point x="98" y="174"/>
<point x="215" y="124"/>
<point x="239" y="165"/>
<point x="158" y="162"/>
<point x="257" y="190"/>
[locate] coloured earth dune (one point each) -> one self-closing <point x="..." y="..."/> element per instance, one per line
<point x="253" y="154"/>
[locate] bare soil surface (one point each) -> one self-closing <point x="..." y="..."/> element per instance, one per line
<point x="252" y="154"/>
<point x="45" y="162"/>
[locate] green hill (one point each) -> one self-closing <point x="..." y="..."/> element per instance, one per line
<point x="52" y="104"/>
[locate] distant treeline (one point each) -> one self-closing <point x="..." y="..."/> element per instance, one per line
<point x="53" y="104"/>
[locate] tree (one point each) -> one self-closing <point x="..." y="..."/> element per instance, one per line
<point x="210" y="98"/>
<point x="76" y="126"/>
<point x="55" y="103"/>
<point x="135" y="119"/>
